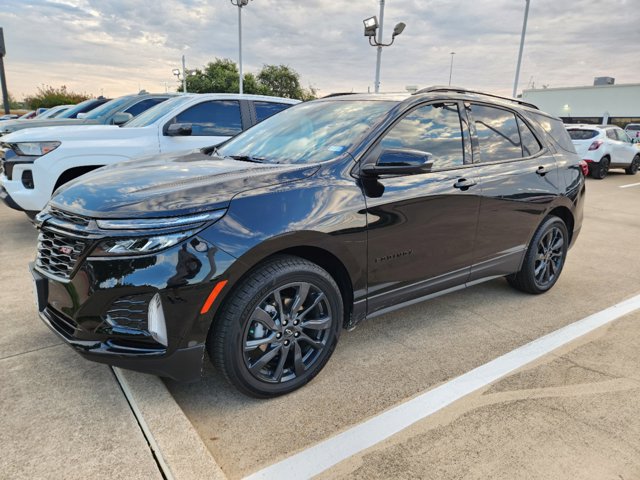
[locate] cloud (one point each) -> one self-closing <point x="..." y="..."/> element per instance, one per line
<point x="119" y="46"/>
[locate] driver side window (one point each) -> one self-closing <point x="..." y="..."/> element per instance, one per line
<point x="434" y="129"/>
<point x="218" y="118"/>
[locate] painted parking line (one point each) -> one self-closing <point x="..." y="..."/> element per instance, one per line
<point x="630" y="185"/>
<point x="324" y="455"/>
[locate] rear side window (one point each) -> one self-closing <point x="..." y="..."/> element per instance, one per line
<point x="434" y="129"/>
<point x="140" y="107"/>
<point x="577" y="134"/>
<point x="611" y="134"/>
<point x="530" y="144"/>
<point x="497" y="132"/>
<point x="218" y="118"/>
<point x="266" y="109"/>
<point x="555" y="129"/>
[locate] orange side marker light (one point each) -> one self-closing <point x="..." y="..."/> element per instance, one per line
<point x="212" y="296"/>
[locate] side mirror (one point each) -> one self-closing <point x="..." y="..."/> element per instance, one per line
<point x="179" y="130"/>
<point x="400" y="162"/>
<point x="121" y="118"/>
<point x="81" y="115"/>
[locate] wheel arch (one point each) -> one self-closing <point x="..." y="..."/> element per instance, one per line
<point x="72" y="173"/>
<point x="566" y="216"/>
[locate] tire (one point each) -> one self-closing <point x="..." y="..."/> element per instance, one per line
<point x="634" y="167"/>
<point x="544" y="259"/>
<point x="265" y="347"/>
<point x="600" y="170"/>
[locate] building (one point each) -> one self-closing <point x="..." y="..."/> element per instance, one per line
<point x="597" y="104"/>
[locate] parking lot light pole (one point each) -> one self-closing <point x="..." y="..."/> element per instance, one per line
<point x="240" y="4"/>
<point x="451" y="67"/>
<point x="371" y="26"/>
<point x="3" y="78"/>
<point x="524" y="32"/>
<point x="184" y="75"/>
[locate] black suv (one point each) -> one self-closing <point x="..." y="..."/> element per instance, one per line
<point x="261" y="250"/>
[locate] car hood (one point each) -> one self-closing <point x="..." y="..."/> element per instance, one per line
<point x="15" y="125"/>
<point x="169" y="185"/>
<point x="74" y="132"/>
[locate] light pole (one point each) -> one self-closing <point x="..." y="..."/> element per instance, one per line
<point x="371" y="26"/>
<point x="451" y="67"/>
<point x="182" y="75"/>
<point x="240" y="4"/>
<point x="524" y="32"/>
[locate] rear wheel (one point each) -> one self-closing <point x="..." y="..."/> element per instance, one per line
<point x="544" y="259"/>
<point x="600" y="169"/>
<point x="279" y="327"/>
<point x="634" y="167"/>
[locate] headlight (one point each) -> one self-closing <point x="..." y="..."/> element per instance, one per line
<point x="166" y="222"/>
<point x="138" y="245"/>
<point x="34" y="149"/>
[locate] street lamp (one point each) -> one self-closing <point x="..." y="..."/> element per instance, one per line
<point x="524" y="32"/>
<point x="451" y="67"/>
<point x="371" y="25"/>
<point x="182" y="75"/>
<point x="240" y="4"/>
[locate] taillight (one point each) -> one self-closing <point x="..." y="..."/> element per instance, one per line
<point x="585" y="167"/>
<point x="595" y="145"/>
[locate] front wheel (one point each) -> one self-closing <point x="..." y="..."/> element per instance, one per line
<point x="544" y="259"/>
<point x="279" y="327"/>
<point x="634" y="167"/>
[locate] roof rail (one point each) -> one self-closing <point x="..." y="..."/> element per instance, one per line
<point x="440" y="88"/>
<point x="339" y="94"/>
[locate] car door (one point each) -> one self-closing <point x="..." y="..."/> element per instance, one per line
<point x="421" y="228"/>
<point x="519" y="180"/>
<point x="625" y="150"/>
<point x="209" y="123"/>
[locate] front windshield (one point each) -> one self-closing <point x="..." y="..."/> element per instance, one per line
<point x="107" y="108"/>
<point x="73" y="111"/>
<point x="156" y="112"/>
<point x="309" y="132"/>
<point x="52" y="112"/>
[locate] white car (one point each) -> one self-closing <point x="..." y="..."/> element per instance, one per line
<point x="633" y="130"/>
<point x="38" y="160"/>
<point x="604" y="147"/>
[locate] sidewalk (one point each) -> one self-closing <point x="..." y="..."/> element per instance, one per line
<point x="62" y="417"/>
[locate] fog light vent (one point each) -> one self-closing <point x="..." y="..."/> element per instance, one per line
<point x="157" y="326"/>
<point x="27" y="179"/>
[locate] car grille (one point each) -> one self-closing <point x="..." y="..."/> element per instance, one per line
<point x="129" y="312"/>
<point x="59" y="253"/>
<point x="68" y="217"/>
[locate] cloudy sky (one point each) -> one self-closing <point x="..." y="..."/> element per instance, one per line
<point x="117" y="46"/>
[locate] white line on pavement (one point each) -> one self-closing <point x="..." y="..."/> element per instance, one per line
<point x="630" y="185"/>
<point x="328" y="453"/>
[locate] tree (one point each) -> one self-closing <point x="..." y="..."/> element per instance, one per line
<point x="13" y="103"/>
<point x="221" y="76"/>
<point x="48" y="96"/>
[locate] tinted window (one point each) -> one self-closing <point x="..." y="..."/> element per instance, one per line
<point x="498" y="135"/>
<point x="140" y="107"/>
<point x="267" y="109"/>
<point x="611" y="134"/>
<point x="555" y="129"/>
<point x="216" y="118"/>
<point x="576" y="134"/>
<point x="434" y="129"/>
<point x="530" y="144"/>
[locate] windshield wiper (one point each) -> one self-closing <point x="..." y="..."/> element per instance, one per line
<point x="248" y="158"/>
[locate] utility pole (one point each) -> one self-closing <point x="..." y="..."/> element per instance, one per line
<point x="524" y="32"/>
<point x="184" y="75"/>
<point x="379" y="57"/>
<point x="3" y="78"/>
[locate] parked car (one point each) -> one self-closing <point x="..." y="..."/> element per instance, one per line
<point x="54" y="112"/>
<point x="261" y="250"/>
<point x="8" y="116"/>
<point x="633" y="130"/>
<point x="604" y="147"/>
<point x="113" y="112"/>
<point x="28" y="116"/>
<point x="38" y="161"/>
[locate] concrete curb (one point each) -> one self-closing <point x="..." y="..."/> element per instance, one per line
<point x="178" y="448"/>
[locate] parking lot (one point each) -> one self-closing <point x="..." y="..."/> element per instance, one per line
<point x="570" y="414"/>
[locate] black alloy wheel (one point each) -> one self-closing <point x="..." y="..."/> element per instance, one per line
<point x="634" y="167"/>
<point x="600" y="170"/>
<point x="279" y="327"/>
<point x="544" y="259"/>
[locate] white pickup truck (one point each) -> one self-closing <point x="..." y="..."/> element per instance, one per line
<point x="37" y="161"/>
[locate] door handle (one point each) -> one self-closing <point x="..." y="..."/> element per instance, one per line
<point x="542" y="170"/>
<point x="464" y="184"/>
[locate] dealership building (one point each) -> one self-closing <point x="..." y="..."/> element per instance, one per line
<point x="602" y="103"/>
